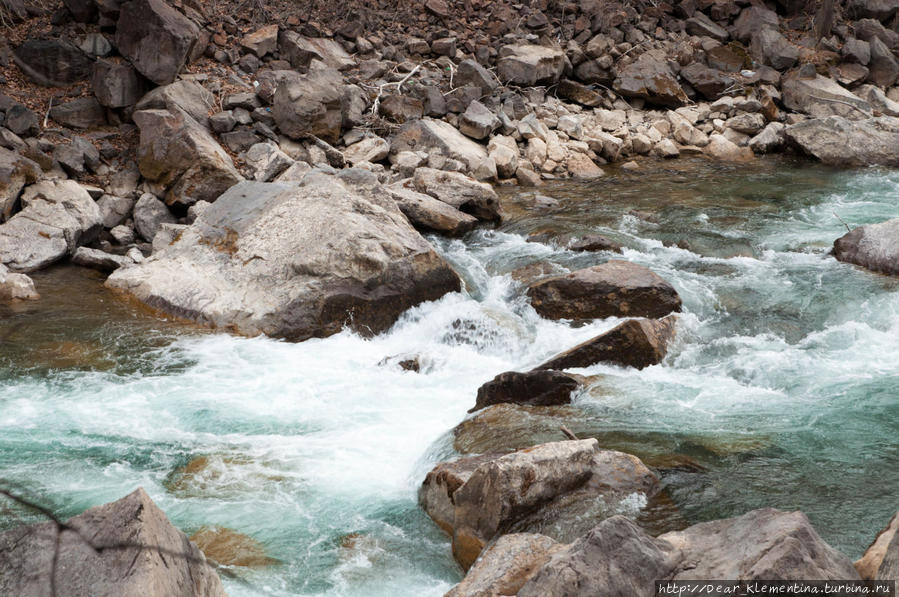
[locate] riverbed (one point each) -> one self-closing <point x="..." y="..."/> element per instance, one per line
<point x="780" y="390"/>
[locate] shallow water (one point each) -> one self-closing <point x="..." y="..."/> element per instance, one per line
<point x="782" y="382"/>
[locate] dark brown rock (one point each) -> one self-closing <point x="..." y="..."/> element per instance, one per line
<point x="117" y="85"/>
<point x="595" y="242"/>
<point x="81" y="113"/>
<point x="310" y="105"/>
<point x="52" y="62"/>
<point x="635" y="343"/>
<point x="579" y="93"/>
<point x="651" y="80"/>
<point x="709" y="82"/>
<point x="535" y="388"/>
<point x="615" y="288"/>
<point x="435" y="496"/>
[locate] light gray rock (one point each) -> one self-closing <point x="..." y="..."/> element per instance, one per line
<point x="26" y="556"/>
<point x="294" y="261"/>
<point x="16" y="287"/>
<point x="771" y="139"/>
<point x="181" y="156"/>
<point x="100" y="260"/>
<point x="123" y="235"/>
<point x="461" y="192"/>
<point x="167" y="234"/>
<point x="56" y="218"/>
<point x="369" y="149"/>
<point x="878" y="100"/>
<point x="267" y="161"/>
<point x="186" y="95"/>
<point x="881" y="560"/>
<point x="149" y="214"/>
<point x="157" y="39"/>
<point x="428" y="214"/>
<point x="527" y="65"/>
<point x="477" y="121"/>
<point x="436" y="137"/>
<point x="840" y="142"/>
<point x="722" y="148"/>
<point x="874" y="247"/>
<point x="821" y="97"/>
<point x="114" y="210"/>
<point x="748" y="124"/>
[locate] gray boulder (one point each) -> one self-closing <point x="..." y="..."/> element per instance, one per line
<point x="878" y="100"/>
<point x="52" y="62"/>
<point x="753" y="19"/>
<point x="15" y="172"/>
<point x="477" y="121"/>
<point x="16" y="287"/>
<point x="821" y="97"/>
<point x="428" y="214"/>
<point x="117" y="85"/>
<point x="650" y="79"/>
<point x="526" y="65"/>
<point x="300" y="51"/>
<point x="840" y="142"/>
<point x="771" y="48"/>
<point x="81" y="113"/>
<point x="882" y="10"/>
<point x="470" y="72"/>
<point x="874" y="247"/>
<point x="702" y="26"/>
<point x="267" y="161"/>
<point x="155" y="38"/>
<point x="114" y="210"/>
<point x="56" y="218"/>
<point x="615" y="288"/>
<point x="294" y="261"/>
<point x="369" y="149"/>
<point x="883" y="67"/>
<point x="437" y="138"/>
<point x="134" y="551"/>
<point x="455" y="189"/>
<point x="186" y="95"/>
<point x="149" y="215"/>
<point x="771" y="138"/>
<point x="181" y="156"/>
<point x="310" y="105"/>
<point x="100" y="260"/>
<point x="881" y="560"/>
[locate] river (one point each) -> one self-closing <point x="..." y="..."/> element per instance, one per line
<point x="780" y="390"/>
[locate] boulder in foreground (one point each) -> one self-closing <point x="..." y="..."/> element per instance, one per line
<point x="26" y="555"/>
<point x="294" y="261"/>
<point x="881" y="559"/>
<point x="837" y="141"/>
<point x="875" y="247"/>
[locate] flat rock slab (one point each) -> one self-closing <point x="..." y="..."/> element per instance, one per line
<point x="615" y="288"/>
<point x="294" y="261"/>
<point x="26" y="555"/>
<point x="875" y="247"/>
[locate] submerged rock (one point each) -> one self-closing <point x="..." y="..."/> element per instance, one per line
<point x="616" y="288"/>
<point x="881" y="559"/>
<point x="875" y="247"/>
<point x="635" y="343"/>
<point x="294" y="261"/>
<point x="227" y="547"/>
<point x="141" y="556"/>
<point x="535" y="388"/>
<point x="16" y="287"/>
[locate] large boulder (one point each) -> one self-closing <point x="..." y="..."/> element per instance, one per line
<point x="526" y="65"/>
<point x="650" y="79"/>
<point x="455" y="189"/>
<point x="56" y="218"/>
<point x="294" y="261"/>
<point x="882" y="10"/>
<point x="615" y="288"/>
<point x="52" y="62"/>
<point x="179" y="154"/>
<point x="821" y="97"/>
<point x="710" y="82"/>
<point x="188" y="96"/>
<point x="635" y="343"/>
<point x="15" y="172"/>
<point x="435" y="496"/>
<point x="617" y="558"/>
<point x="16" y="287"/>
<point x="771" y="48"/>
<point x="837" y="141"/>
<point x="875" y="247"/>
<point x="501" y="492"/>
<point x="310" y="105"/>
<point x="428" y="214"/>
<point x="536" y="388"/>
<point x="883" y="66"/>
<point x="753" y="19"/>
<point x="881" y="560"/>
<point x="155" y="38"/>
<point x="438" y="138"/>
<point x="81" y="113"/>
<point x="505" y="565"/>
<point x="300" y="51"/>
<point x="117" y="84"/>
<point x="126" y="548"/>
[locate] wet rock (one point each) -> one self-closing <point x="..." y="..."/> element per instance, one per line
<point x="535" y="388"/>
<point x="227" y="547"/>
<point x="651" y="80"/>
<point x="81" y="113"/>
<point x="881" y="560"/>
<point x="771" y="48"/>
<point x="821" y="97"/>
<point x="26" y="555"/>
<point x="477" y="121"/>
<point x="181" y="156"/>
<point x="187" y="96"/>
<point x="52" y="62"/>
<point x="428" y="214"/>
<point x="15" y="172"/>
<point x="310" y="105"/>
<point x="117" y="85"/>
<point x="501" y="492"/>
<point x="155" y="38"/>
<point x="149" y="215"/>
<point x="16" y="287"/>
<point x="435" y="496"/>
<point x="526" y="65"/>
<point x="840" y="142"/>
<point x="615" y="288"/>
<point x="635" y="343"/>
<point x="459" y="191"/>
<point x="262" y="41"/>
<point x="505" y="565"/>
<point x="295" y="261"/>
<point x="99" y="260"/>
<point x="56" y="218"/>
<point x="595" y="242"/>
<point x="874" y="247"/>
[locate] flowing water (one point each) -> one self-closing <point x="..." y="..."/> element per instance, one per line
<point x="781" y="390"/>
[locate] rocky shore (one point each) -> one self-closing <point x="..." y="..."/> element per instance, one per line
<point x="275" y="176"/>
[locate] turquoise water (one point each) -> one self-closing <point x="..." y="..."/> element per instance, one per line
<point x="782" y="384"/>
